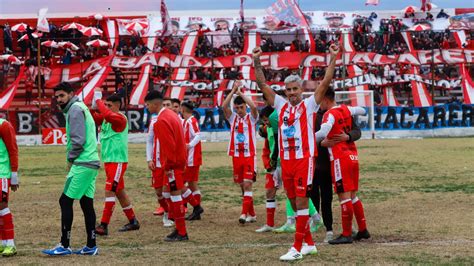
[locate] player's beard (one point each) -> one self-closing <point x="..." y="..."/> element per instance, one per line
<point x="63" y="106"/>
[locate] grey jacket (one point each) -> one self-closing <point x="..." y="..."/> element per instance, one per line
<point x="77" y="133"/>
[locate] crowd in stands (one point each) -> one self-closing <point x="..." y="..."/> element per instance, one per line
<point x="387" y="40"/>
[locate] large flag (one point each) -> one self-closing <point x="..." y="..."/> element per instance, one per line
<point x="425" y="5"/>
<point x="165" y="19"/>
<point x="42" y="24"/>
<point x="372" y="2"/>
<point x="287" y="12"/>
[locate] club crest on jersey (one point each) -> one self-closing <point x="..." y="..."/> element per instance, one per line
<point x="240" y="137"/>
<point x="289" y="131"/>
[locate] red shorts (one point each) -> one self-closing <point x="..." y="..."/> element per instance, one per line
<point x="273" y="180"/>
<point x="244" y="169"/>
<point x="114" y="176"/>
<point x="157" y="177"/>
<point x="191" y="174"/>
<point x="345" y="173"/>
<point x="174" y="181"/>
<point x="5" y="184"/>
<point x="297" y="175"/>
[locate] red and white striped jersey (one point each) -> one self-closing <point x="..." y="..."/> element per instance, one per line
<point x="243" y="142"/>
<point x="296" y="128"/>
<point x="153" y="144"/>
<point x="192" y="136"/>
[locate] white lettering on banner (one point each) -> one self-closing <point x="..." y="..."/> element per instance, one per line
<point x="65" y="76"/>
<point x="371" y="79"/>
<point x="469" y="55"/>
<point x="243" y="60"/>
<point x="165" y="61"/>
<point x="123" y="62"/>
<point x="134" y="118"/>
<point x="149" y="58"/>
<point x="307" y="62"/>
<point x="24" y="123"/>
<point x="58" y="135"/>
<point x="453" y="56"/>
<point x="213" y="63"/>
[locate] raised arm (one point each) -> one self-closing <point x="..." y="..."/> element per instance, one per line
<point x="226" y="103"/>
<point x="260" y="77"/>
<point x="250" y="103"/>
<point x="324" y="85"/>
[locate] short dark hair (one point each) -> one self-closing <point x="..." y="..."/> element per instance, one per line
<point x="64" y="86"/>
<point x="239" y="100"/>
<point x="153" y="95"/>
<point x="330" y="94"/>
<point x="167" y="99"/>
<point x="114" y="98"/>
<point x="266" y="111"/>
<point x="174" y="100"/>
<point x="188" y="105"/>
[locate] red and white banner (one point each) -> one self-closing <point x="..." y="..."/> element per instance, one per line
<point x="467" y="85"/>
<point x="188" y="48"/>
<point x="165" y="20"/>
<point x="346" y="41"/>
<point x="389" y="97"/>
<point x="111" y="32"/>
<point x="251" y="40"/>
<point x="408" y="40"/>
<point x="7" y="96"/>
<point x="54" y="136"/>
<point x="139" y="92"/>
<point x="293" y="60"/>
<point x="361" y="97"/>
<point x="460" y="37"/>
<point x="286" y="13"/>
<point x="421" y="96"/>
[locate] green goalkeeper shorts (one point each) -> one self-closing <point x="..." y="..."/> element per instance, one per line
<point x="80" y="182"/>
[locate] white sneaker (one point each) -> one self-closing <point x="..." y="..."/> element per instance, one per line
<point x="251" y="219"/>
<point x="265" y="228"/>
<point x="329" y="236"/>
<point x="243" y="218"/>
<point x="167" y="222"/>
<point x="292" y="255"/>
<point x="308" y="250"/>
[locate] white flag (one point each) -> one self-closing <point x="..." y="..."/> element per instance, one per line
<point x="42" y="24"/>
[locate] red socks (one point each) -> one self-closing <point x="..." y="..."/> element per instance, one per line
<point x="188" y="197"/>
<point x="163" y="204"/>
<point x="271" y="205"/>
<point x="359" y="214"/>
<point x="347" y="211"/>
<point x="177" y="209"/>
<point x="197" y="196"/>
<point x="109" y="205"/>
<point x="167" y="196"/>
<point x="129" y="212"/>
<point x="247" y="204"/>
<point x="301" y="229"/>
<point x="6" y="219"/>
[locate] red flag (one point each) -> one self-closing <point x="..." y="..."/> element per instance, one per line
<point x="288" y="13"/>
<point x="165" y="19"/>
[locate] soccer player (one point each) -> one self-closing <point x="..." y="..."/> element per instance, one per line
<point x="82" y="165"/>
<point x="167" y="103"/>
<point x="158" y="174"/>
<point x="273" y="169"/>
<point x="321" y="192"/>
<point x="344" y="166"/>
<point x="192" y="136"/>
<point x="8" y="179"/>
<point x="297" y="145"/>
<point x="175" y="105"/>
<point x="169" y="132"/>
<point x="114" y="154"/>
<point x="242" y="147"/>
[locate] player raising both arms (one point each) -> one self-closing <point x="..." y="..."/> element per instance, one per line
<point x="242" y="147"/>
<point x="114" y="153"/>
<point x="344" y="166"/>
<point x="297" y="145"/>
<point x="8" y="179"/>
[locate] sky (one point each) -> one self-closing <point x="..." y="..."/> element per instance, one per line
<point x="95" y="6"/>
